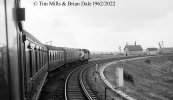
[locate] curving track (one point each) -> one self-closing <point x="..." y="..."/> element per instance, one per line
<point x="75" y="85"/>
<point x="54" y="87"/>
<point x="84" y="84"/>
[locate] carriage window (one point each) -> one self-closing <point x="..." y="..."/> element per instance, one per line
<point x="33" y="61"/>
<point x="56" y="55"/>
<point x="30" y="60"/>
<point x="42" y="58"/>
<point x="62" y="54"/>
<point x="49" y="56"/>
<point x="36" y="59"/>
<point x="66" y="54"/>
<point x="45" y="57"/>
<point x="53" y="55"/>
<point x="59" y="55"/>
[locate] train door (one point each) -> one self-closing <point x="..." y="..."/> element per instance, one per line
<point x="10" y="80"/>
<point x="4" y="87"/>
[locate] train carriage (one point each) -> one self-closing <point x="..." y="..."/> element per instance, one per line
<point x="35" y="65"/>
<point x="24" y="60"/>
<point x="11" y="79"/>
<point x="72" y="55"/>
<point x="3" y="74"/>
<point x="56" y="57"/>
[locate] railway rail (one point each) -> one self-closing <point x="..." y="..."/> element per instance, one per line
<point x="77" y="87"/>
<point x="71" y="84"/>
<point x="54" y="87"/>
<point x="84" y="84"/>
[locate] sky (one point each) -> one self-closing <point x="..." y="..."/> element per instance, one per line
<point x="102" y="28"/>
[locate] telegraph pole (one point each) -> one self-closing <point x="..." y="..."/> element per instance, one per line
<point x="51" y="42"/>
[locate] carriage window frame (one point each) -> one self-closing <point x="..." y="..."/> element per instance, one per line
<point x="42" y="57"/>
<point x="36" y="59"/>
<point x="49" y="56"/>
<point x="30" y="60"/>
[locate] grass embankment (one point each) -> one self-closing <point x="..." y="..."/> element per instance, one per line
<point x="146" y="79"/>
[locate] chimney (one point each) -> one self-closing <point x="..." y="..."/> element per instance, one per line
<point x="51" y="42"/>
<point x="126" y="43"/>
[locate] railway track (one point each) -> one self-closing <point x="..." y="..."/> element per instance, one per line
<point x="76" y="88"/>
<point x="54" y="88"/>
<point x="84" y="84"/>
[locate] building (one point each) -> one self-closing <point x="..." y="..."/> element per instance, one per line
<point x="151" y="51"/>
<point x="133" y="50"/>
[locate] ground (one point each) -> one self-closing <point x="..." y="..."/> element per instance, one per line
<point x="98" y="86"/>
<point x="149" y="78"/>
<point x="101" y="56"/>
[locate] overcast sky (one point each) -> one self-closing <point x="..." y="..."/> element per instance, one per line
<point x="102" y="28"/>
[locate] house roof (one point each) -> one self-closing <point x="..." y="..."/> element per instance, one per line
<point x="134" y="47"/>
<point x="152" y="49"/>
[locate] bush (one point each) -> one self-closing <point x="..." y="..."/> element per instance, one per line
<point x="148" y="61"/>
<point x="128" y="77"/>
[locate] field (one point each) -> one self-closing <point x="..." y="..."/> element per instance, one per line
<point x="146" y="79"/>
<point x="102" y="56"/>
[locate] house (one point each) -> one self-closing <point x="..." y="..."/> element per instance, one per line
<point x="133" y="50"/>
<point x="151" y="51"/>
